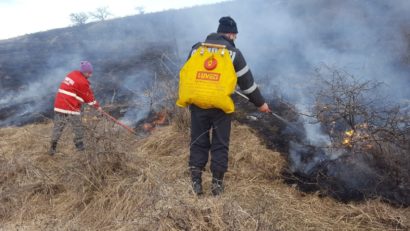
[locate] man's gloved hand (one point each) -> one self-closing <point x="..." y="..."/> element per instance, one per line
<point x="264" y="108"/>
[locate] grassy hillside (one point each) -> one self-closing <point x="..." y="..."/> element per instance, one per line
<point x="127" y="182"/>
<point x="123" y="182"/>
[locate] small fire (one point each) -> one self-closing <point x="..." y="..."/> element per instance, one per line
<point x="349" y="133"/>
<point x="359" y="137"/>
<point x="348" y="138"/>
<point x="346" y="141"/>
<point x="148" y="127"/>
<point x="160" y="119"/>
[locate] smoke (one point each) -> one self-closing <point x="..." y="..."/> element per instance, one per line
<point x="285" y="41"/>
<point x="365" y="38"/>
<point x="142" y="96"/>
<point x="282" y="41"/>
<point x="33" y="99"/>
<point x="120" y="50"/>
<point x="29" y="102"/>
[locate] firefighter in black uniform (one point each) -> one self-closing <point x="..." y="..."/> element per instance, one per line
<point x="203" y="121"/>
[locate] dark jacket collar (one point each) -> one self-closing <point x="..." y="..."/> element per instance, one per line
<point x="219" y="39"/>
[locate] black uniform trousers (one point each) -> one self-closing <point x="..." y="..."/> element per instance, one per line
<point x="210" y="132"/>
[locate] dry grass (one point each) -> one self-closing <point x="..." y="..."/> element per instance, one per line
<point x="126" y="183"/>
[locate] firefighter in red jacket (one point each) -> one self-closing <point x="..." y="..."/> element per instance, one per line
<point x="73" y="92"/>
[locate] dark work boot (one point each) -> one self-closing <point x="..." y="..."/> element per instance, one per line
<point x="217" y="183"/>
<point x="80" y="146"/>
<point x="53" y="148"/>
<point x="196" y="177"/>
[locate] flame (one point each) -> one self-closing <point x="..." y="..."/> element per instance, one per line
<point x="347" y="141"/>
<point x="160" y="119"/>
<point x="148" y="127"/>
<point x="359" y="137"/>
<point x="348" y="138"/>
<point x="349" y="133"/>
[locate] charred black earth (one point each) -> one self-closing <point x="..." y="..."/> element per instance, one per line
<point x="344" y="176"/>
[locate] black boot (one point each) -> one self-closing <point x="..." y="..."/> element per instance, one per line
<point x="53" y="148"/>
<point x="217" y="183"/>
<point x="196" y="177"/>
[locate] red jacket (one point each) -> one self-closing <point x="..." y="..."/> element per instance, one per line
<point x="73" y="92"/>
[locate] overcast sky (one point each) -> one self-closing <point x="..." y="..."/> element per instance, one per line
<point x="19" y="17"/>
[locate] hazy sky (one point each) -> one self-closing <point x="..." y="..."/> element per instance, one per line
<point x="19" y="17"/>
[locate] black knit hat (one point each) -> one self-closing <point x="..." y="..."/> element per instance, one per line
<point x="227" y="25"/>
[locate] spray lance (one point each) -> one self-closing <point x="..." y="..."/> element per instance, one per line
<point x="237" y="92"/>
<point x="116" y="121"/>
<point x="273" y="113"/>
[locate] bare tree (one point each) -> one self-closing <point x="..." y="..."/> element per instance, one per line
<point x="353" y="115"/>
<point x="79" y="18"/>
<point x="356" y="119"/>
<point x="140" y="9"/>
<point x="342" y="102"/>
<point x="101" y="13"/>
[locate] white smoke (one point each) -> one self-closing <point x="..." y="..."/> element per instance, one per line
<point x="282" y="41"/>
<point x="285" y="41"/>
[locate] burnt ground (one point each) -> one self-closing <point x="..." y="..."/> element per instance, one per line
<point x="349" y="177"/>
<point x="116" y="57"/>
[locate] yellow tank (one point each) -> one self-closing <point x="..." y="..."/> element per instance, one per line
<point x="208" y="79"/>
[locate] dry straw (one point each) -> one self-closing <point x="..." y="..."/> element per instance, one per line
<point x="123" y="182"/>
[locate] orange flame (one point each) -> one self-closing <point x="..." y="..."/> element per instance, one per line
<point x="346" y="141"/>
<point x="160" y="119"/>
<point x="348" y="138"/>
<point x="349" y="133"/>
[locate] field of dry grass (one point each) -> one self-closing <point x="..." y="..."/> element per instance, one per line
<point x="123" y="182"/>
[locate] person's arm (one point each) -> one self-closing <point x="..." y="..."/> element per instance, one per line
<point x="247" y="84"/>
<point x="88" y="96"/>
